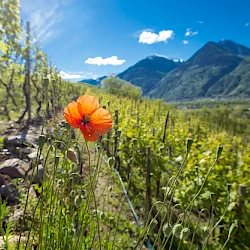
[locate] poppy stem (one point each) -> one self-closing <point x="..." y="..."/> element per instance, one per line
<point x="91" y="181"/>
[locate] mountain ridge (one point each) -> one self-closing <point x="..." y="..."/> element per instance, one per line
<point x="204" y="73"/>
<point x="148" y="71"/>
<point x="218" y="69"/>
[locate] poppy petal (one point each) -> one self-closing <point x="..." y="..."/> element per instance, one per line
<point x="72" y="115"/>
<point x="101" y="121"/>
<point x="89" y="134"/>
<point x="87" y="105"/>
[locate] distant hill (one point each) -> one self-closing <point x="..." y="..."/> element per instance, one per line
<point x="149" y="71"/>
<point x="216" y="70"/>
<point x="96" y="81"/>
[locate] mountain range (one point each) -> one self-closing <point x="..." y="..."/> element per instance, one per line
<point x="217" y="70"/>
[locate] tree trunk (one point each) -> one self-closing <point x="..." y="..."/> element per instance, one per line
<point x="26" y="84"/>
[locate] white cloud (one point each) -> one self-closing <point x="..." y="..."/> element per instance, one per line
<point x="185" y="41"/>
<point x="113" y="60"/>
<point x="200" y="22"/>
<point x="247" y="24"/>
<point x="65" y="75"/>
<point x="150" y="37"/>
<point x="189" y="32"/>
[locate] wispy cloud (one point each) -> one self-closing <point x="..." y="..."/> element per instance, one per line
<point x="150" y="37"/>
<point x="138" y="32"/>
<point x="247" y="24"/>
<point x="65" y="75"/>
<point x="200" y="22"/>
<point x="44" y="16"/>
<point x="83" y="74"/>
<point x="185" y="41"/>
<point x="113" y="60"/>
<point x="189" y="32"/>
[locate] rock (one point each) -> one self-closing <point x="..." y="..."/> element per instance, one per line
<point x="37" y="175"/>
<point x="15" y="168"/>
<point x="4" y="179"/>
<point x="16" y="218"/>
<point x="32" y="156"/>
<point x="24" y="152"/>
<point x="25" y="187"/>
<point x="19" y="140"/>
<point x="10" y="193"/>
<point x="5" y="154"/>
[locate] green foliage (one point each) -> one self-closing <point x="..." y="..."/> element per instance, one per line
<point x="142" y="125"/>
<point x="120" y="87"/>
<point x="1" y="143"/>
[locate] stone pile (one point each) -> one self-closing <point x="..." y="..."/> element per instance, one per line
<point x="19" y="162"/>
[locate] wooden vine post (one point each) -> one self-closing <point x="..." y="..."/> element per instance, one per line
<point x="158" y="181"/>
<point x="108" y="137"/>
<point x="165" y="128"/>
<point x="242" y="191"/>
<point x="116" y="139"/>
<point x="147" y="197"/>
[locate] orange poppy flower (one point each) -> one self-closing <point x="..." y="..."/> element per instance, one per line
<point x="87" y="115"/>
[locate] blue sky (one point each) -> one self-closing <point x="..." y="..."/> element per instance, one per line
<point x="91" y="38"/>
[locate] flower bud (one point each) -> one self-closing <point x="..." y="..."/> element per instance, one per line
<point x="60" y="182"/>
<point x="177" y="230"/>
<point x="232" y="230"/>
<point x="167" y="229"/>
<point x="153" y="224"/>
<point x="72" y="193"/>
<point x="205" y="232"/>
<point x="78" y="200"/>
<point x="111" y="161"/>
<point x="72" y="155"/>
<point x="41" y="141"/>
<point x="111" y="219"/>
<point x="102" y="215"/>
<point x="185" y="232"/>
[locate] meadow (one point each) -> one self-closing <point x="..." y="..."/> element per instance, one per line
<point x="166" y="176"/>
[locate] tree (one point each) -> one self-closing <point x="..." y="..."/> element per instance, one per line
<point x="131" y="91"/>
<point x="10" y="48"/>
<point x="112" y="84"/>
<point x="120" y="87"/>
